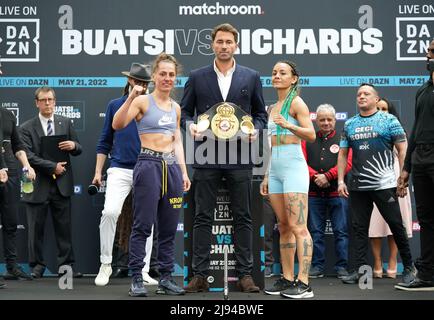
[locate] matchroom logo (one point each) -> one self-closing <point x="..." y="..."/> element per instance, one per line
<point x="218" y="9"/>
<point x="19" y="40"/>
<point x="413" y="37"/>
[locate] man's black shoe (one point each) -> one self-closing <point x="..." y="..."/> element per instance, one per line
<point x="38" y="271"/>
<point x="75" y="274"/>
<point x="120" y="273"/>
<point x="352" y="278"/>
<point x="16" y="273"/>
<point x="169" y="287"/>
<point x="416" y="285"/>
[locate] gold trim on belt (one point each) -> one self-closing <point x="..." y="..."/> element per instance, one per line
<point x="224" y="121"/>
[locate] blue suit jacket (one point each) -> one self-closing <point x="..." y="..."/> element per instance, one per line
<point x="202" y="91"/>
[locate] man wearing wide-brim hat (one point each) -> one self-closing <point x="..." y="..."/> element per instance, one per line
<point x="123" y="146"/>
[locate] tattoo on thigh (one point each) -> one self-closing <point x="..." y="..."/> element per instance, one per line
<point x="287" y="245"/>
<point x="301" y="213"/>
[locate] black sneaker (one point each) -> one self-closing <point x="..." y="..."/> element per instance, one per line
<point x="2" y="285"/>
<point x="279" y="286"/>
<point x="137" y="288"/>
<point x="416" y="285"/>
<point x="341" y="272"/>
<point x="352" y="278"/>
<point x="299" y="291"/>
<point x="409" y="274"/>
<point x="38" y="271"/>
<point x="316" y="272"/>
<point x="16" y="273"/>
<point x="168" y="286"/>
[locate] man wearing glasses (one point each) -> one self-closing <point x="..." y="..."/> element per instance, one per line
<point x="419" y="161"/>
<point x="53" y="186"/>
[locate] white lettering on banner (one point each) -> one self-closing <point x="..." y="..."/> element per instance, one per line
<point x="192" y="41"/>
<point x="414" y="35"/>
<point x="15" y="111"/>
<point x="19" y="39"/>
<point x="340" y="116"/>
<point x="218" y="9"/>
<point x="70" y="112"/>
<point x="416" y="9"/>
<point x="219" y="248"/>
<point x="222" y="229"/>
<point x="17" y="11"/>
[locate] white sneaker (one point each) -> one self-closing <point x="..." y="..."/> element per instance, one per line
<point x="147" y="280"/>
<point x="104" y="274"/>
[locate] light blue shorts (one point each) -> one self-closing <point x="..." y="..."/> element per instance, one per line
<point x="288" y="171"/>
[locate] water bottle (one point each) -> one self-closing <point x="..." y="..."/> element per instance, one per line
<point x="26" y="182"/>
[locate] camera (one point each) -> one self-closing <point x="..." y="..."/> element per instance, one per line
<point x="92" y="189"/>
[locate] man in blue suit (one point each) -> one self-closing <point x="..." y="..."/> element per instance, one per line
<point x="224" y="80"/>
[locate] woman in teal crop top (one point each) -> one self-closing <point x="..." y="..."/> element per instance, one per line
<point x="287" y="182"/>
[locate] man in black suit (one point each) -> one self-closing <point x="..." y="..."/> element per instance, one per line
<point x="53" y="186"/>
<point x="3" y="172"/>
<point x="3" y="168"/>
<point x="14" y="149"/>
<point x="224" y="80"/>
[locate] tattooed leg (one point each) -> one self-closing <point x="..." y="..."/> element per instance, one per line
<point x="287" y="256"/>
<point x="297" y="205"/>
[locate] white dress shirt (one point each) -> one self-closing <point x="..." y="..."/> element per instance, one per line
<point x="44" y="123"/>
<point x="224" y="81"/>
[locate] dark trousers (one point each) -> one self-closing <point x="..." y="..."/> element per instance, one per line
<point x="337" y="209"/>
<point x="361" y="203"/>
<point x="60" y="208"/>
<point x="9" y="201"/>
<point x="239" y="183"/>
<point x="269" y="225"/>
<point x="157" y="196"/>
<point x="423" y="183"/>
<point x="120" y="257"/>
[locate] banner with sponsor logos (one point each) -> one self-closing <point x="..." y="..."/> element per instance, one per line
<point x="80" y="49"/>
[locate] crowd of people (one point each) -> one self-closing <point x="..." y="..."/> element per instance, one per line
<point x="358" y="179"/>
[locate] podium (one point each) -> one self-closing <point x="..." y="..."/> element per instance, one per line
<point x="222" y="236"/>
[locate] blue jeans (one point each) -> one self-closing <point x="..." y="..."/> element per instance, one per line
<point x="337" y="208"/>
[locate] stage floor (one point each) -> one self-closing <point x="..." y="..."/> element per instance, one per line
<point x="84" y="289"/>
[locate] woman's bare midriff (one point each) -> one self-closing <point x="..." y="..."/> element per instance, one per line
<point x="157" y="141"/>
<point x="285" y="139"/>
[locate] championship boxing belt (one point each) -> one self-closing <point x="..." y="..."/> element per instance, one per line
<point x="226" y="119"/>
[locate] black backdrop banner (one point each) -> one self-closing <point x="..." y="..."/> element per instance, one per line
<point x="80" y="48"/>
